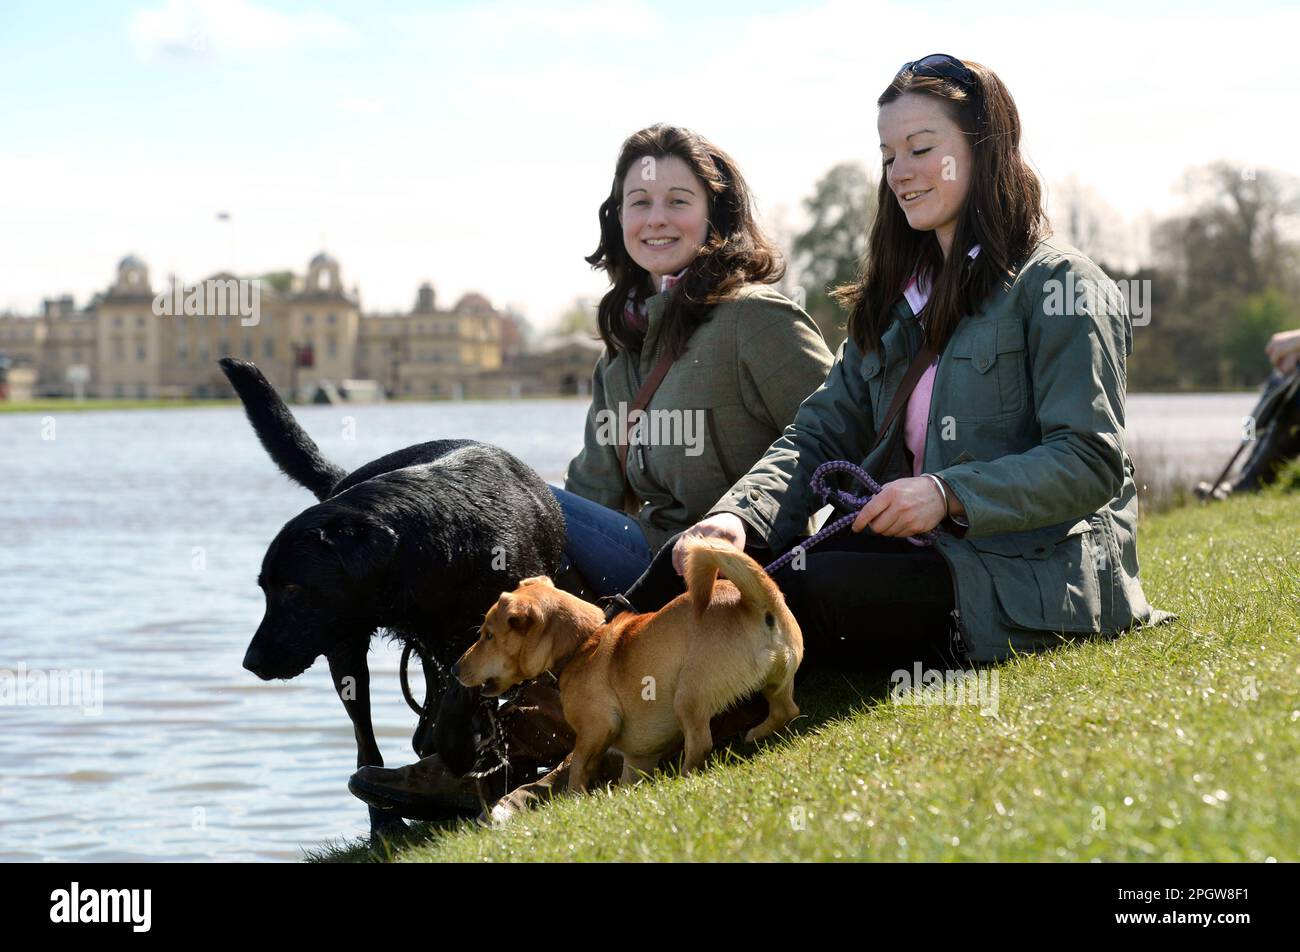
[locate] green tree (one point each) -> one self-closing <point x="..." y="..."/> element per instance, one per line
<point x="1215" y="263"/>
<point x="1259" y="318"/>
<point x="830" y="251"/>
<point x="578" y="318"/>
<point x="281" y="281"/>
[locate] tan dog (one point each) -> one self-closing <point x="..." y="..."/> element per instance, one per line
<point x="642" y="682"/>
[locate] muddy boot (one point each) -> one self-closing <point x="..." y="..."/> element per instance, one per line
<point x="425" y="790"/>
<point x="530" y="735"/>
<point x="729" y="725"/>
<point x="533" y="726"/>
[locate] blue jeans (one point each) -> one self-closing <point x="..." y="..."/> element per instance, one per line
<point x="606" y="546"/>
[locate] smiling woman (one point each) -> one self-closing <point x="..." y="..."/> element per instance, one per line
<point x="693" y="327"/>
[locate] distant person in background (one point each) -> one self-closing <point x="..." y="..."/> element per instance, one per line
<point x="1274" y="440"/>
<point x="1283" y="350"/>
<point x="1274" y="437"/>
<point x="695" y="332"/>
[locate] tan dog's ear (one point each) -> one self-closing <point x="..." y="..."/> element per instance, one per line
<point x="522" y="614"/>
<point x="536" y="652"/>
<point x="537" y="580"/>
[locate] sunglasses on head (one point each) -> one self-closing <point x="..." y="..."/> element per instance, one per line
<point x="941" y="66"/>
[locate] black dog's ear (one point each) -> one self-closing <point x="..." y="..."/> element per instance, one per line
<point x="362" y="544"/>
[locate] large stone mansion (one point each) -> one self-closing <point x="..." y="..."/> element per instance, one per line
<point x="310" y="330"/>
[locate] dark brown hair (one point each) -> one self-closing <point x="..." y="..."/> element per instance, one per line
<point x="735" y="251"/>
<point x="1003" y="214"/>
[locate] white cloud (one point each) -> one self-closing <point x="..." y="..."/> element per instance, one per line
<point x="207" y="30"/>
<point x="359" y="104"/>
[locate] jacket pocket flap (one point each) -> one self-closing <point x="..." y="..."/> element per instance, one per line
<point x="1045" y="579"/>
<point x="871" y="364"/>
<point x="980" y="347"/>
<point x="1032" y="543"/>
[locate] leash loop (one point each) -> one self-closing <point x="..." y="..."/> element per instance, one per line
<point x="834" y="495"/>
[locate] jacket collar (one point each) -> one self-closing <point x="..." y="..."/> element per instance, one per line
<point x="654" y="312"/>
<point x="918" y="289"/>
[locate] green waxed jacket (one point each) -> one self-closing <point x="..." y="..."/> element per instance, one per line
<point x="738" y="384"/>
<point x="1027" y="428"/>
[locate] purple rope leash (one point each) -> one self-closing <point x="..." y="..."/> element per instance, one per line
<point x="831" y="494"/>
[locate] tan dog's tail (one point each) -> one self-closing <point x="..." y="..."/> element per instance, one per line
<point x="705" y="558"/>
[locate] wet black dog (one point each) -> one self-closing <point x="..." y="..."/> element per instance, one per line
<point x="419" y="543"/>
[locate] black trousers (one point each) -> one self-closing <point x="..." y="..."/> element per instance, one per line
<point x="860" y="598"/>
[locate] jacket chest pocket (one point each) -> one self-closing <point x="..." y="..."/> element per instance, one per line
<point x="987" y="374"/>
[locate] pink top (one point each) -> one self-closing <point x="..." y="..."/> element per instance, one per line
<point x="916" y="415"/>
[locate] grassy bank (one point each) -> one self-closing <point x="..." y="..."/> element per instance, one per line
<point x="1173" y="743"/>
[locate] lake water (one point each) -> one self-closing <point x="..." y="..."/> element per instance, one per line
<point x="130" y="542"/>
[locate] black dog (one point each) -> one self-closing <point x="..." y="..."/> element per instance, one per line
<point x="419" y="543"/>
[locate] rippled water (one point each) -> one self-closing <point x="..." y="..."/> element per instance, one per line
<point x="129" y="546"/>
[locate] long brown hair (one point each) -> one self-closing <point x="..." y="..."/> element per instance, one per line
<point x="1003" y="214"/>
<point x="735" y="252"/>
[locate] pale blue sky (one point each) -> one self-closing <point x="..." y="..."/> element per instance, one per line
<point x="469" y="144"/>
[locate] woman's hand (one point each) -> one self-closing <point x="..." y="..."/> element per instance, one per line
<point x="1283" y="349"/>
<point x="904" y="507"/>
<point x="724" y="525"/>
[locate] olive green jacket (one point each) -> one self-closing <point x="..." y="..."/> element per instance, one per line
<point x="724" y="401"/>
<point x="1027" y="428"/>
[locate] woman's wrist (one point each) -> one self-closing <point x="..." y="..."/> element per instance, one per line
<point x="943" y="493"/>
<point x="955" y="508"/>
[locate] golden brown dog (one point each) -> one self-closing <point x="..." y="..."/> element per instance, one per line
<point x="643" y="682"/>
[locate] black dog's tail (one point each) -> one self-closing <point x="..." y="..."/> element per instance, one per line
<point x="288" y="444"/>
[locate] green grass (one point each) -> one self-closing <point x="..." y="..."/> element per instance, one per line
<point x="1175" y="743"/>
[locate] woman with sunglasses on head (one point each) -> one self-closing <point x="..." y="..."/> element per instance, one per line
<point x="981" y="386"/>
<point x="696" y="336"/>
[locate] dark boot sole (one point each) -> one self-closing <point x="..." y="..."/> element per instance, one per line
<point x="414" y="807"/>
